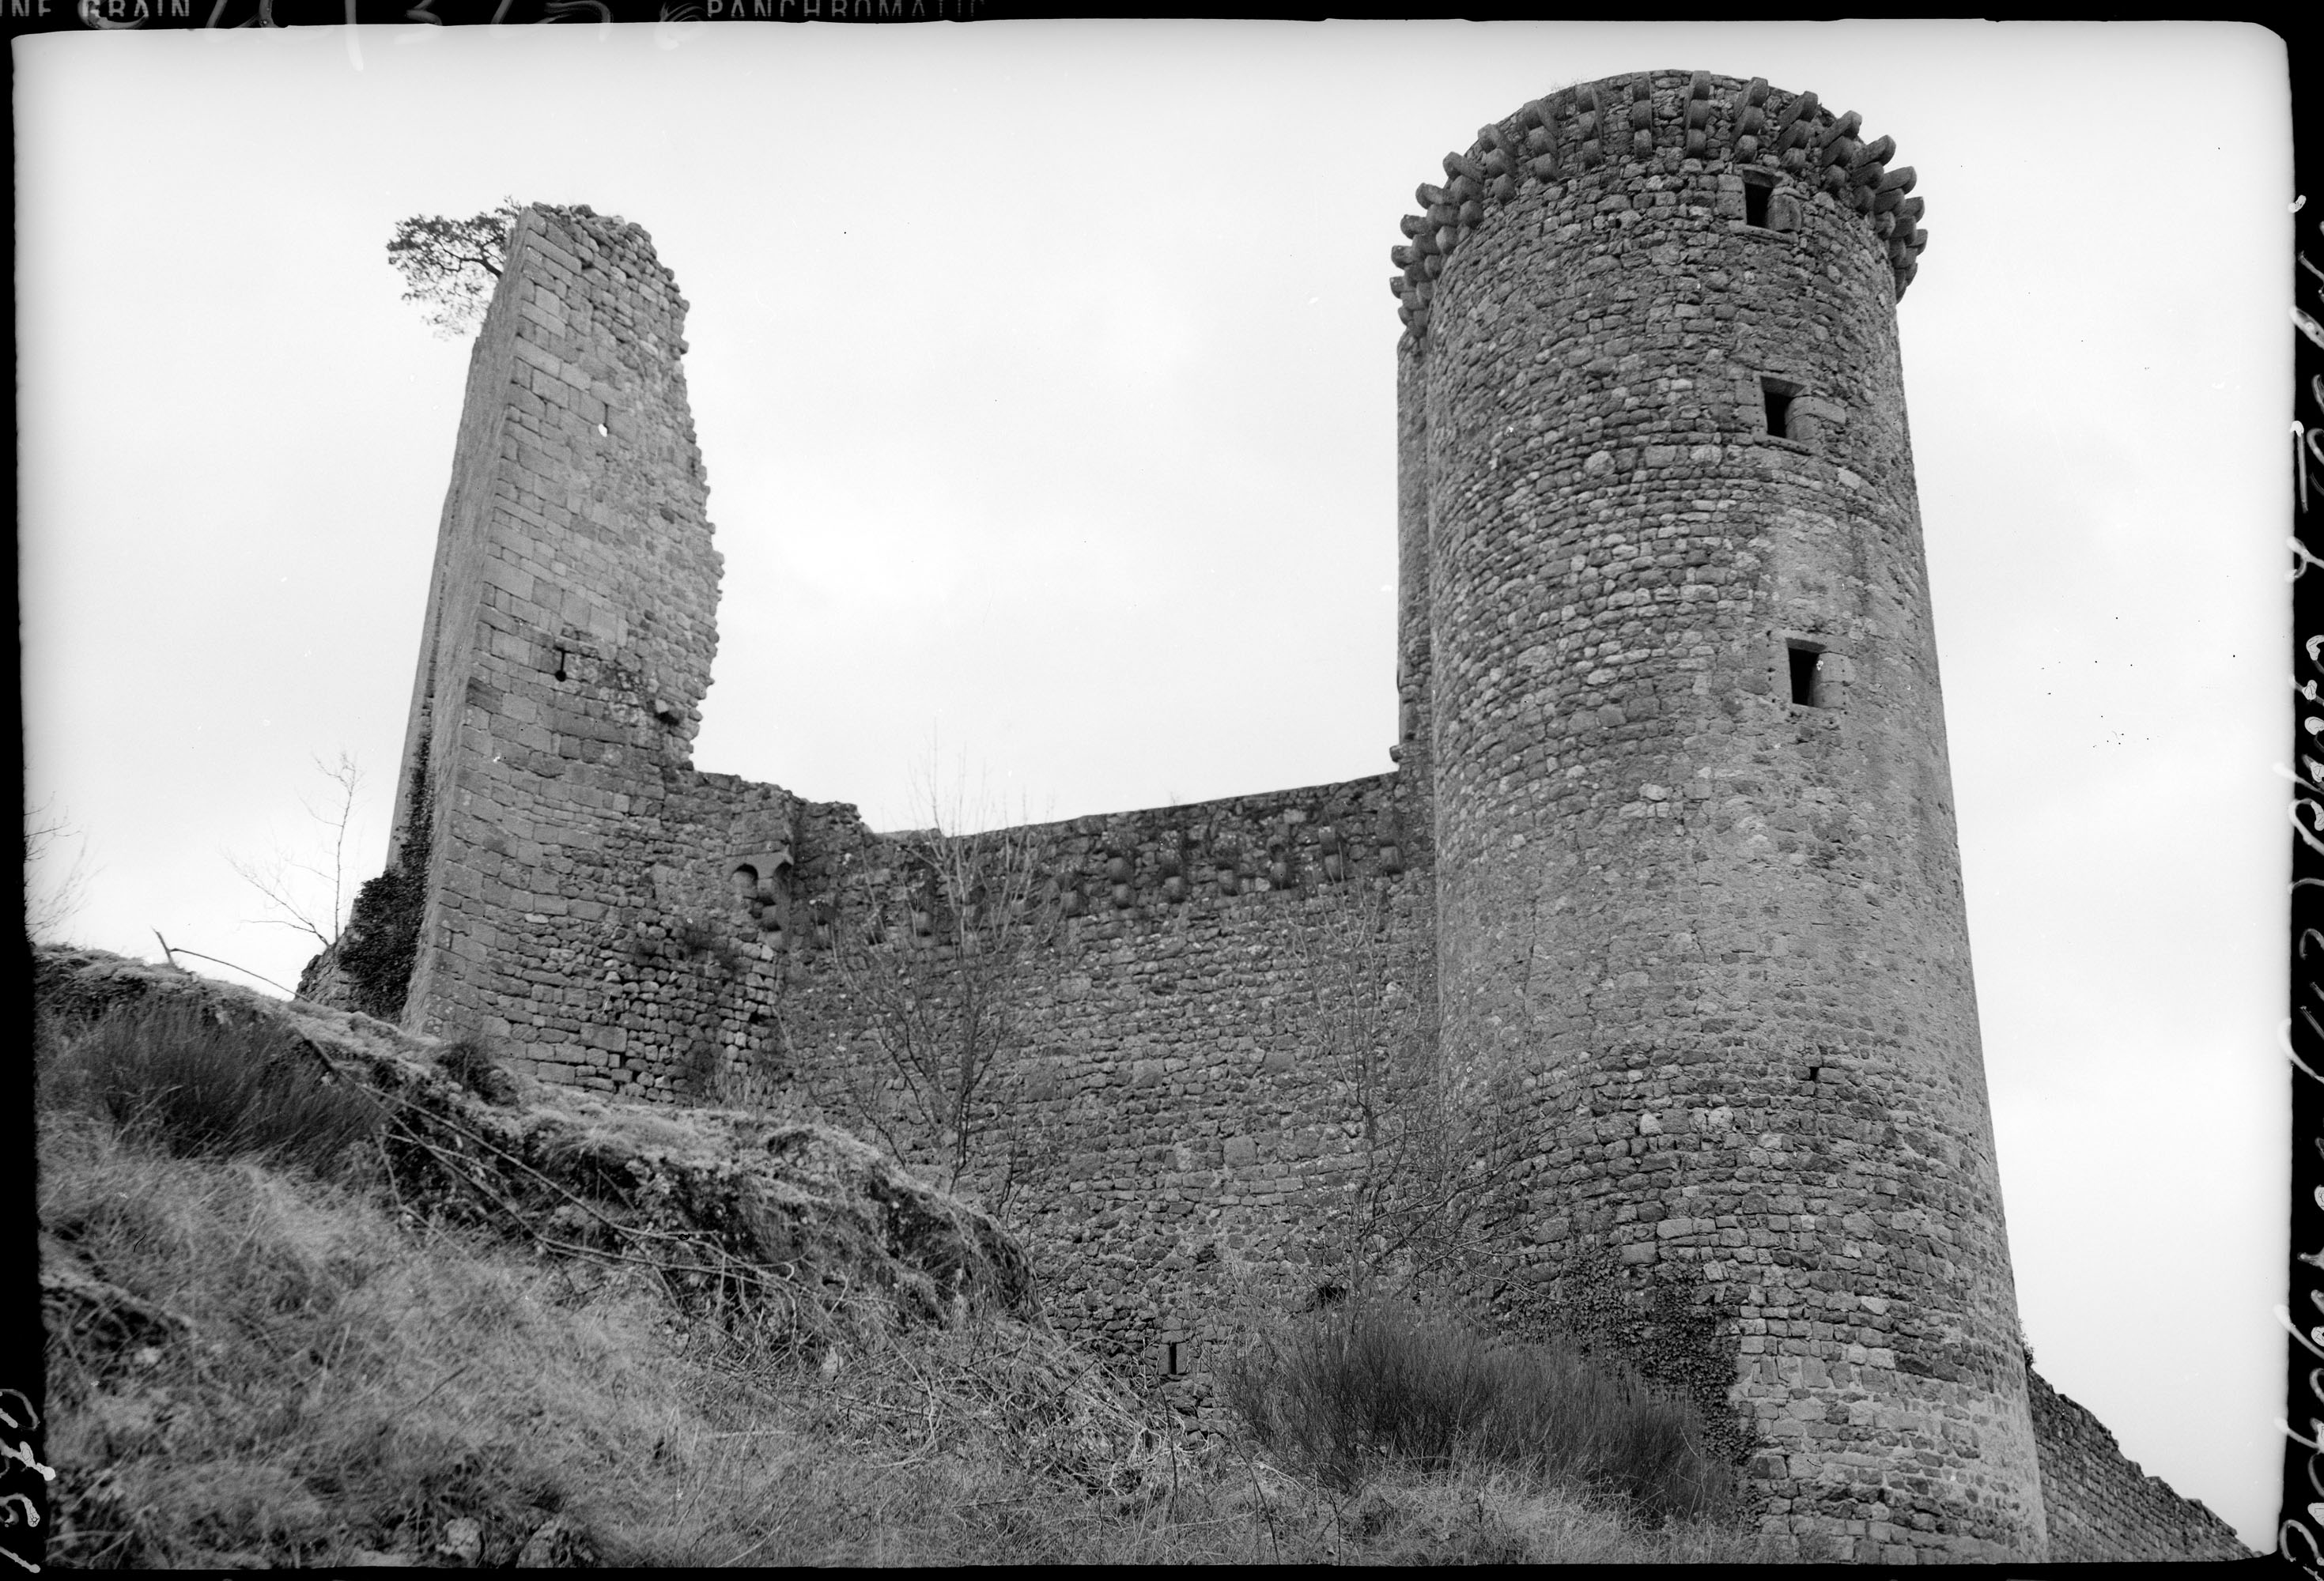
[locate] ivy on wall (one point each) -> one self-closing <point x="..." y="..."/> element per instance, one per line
<point x="382" y="940"/>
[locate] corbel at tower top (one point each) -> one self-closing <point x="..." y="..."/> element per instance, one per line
<point x="1648" y="123"/>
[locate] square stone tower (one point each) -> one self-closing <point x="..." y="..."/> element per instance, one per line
<point x="571" y="621"/>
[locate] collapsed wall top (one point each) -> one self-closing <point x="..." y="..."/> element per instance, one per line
<point x="1785" y="146"/>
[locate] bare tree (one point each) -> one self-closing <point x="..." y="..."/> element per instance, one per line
<point x="52" y="899"/>
<point x="450" y="266"/>
<point x="310" y="896"/>
<point x="1425" y="1144"/>
<point x="931" y="955"/>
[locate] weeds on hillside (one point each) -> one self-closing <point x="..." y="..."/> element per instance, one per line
<point x="200" y="1087"/>
<point x="325" y="1385"/>
<point x="324" y="1388"/>
<point x="1374" y="1381"/>
<point x="252" y="1368"/>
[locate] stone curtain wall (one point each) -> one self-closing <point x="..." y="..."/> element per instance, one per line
<point x="1179" y="1128"/>
<point x="1715" y="936"/>
<point x="1181" y="1125"/>
<point x="635" y="989"/>
<point x="584" y="910"/>
<point x="1180" y="1131"/>
<point x="2101" y="1506"/>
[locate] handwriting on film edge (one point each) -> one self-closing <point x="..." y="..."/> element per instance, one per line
<point x="2305" y="450"/>
<point x="20" y="1452"/>
<point x="115" y="14"/>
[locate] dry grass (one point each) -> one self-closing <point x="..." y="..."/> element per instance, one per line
<point x="255" y="1361"/>
<point x="202" y="1087"/>
<point x="1379" y="1378"/>
<point x="341" y="1386"/>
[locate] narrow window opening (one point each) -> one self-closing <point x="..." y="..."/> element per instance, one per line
<point x="1807" y="675"/>
<point x="1779" y="397"/>
<point x="1755" y="192"/>
<point x="560" y="664"/>
<point x="1176" y="1358"/>
<point x="1815" y="1073"/>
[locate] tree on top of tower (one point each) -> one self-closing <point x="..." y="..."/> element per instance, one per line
<point x="449" y="266"/>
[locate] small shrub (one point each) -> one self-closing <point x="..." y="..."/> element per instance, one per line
<point x="469" y="1061"/>
<point x="201" y="1088"/>
<point x="1369" y="1381"/>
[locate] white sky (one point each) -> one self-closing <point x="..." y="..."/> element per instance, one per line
<point x="1044" y="380"/>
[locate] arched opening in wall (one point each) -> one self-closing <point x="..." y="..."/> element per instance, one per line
<point x="1758" y="186"/>
<point x="744" y="882"/>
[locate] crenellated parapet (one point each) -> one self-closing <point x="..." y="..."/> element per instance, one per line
<point x="793" y="870"/>
<point x="1217" y="852"/>
<point x="1624" y="128"/>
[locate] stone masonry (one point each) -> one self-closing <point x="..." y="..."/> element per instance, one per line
<point x="2101" y="1506"/>
<point x="1696" y="869"/>
<point x="1664" y="885"/>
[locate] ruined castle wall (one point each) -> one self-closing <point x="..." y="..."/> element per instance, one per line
<point x="2101" y="1506"/>
<point x="1194" y="1103"/>
<point x="1185" y="1124"/>
<point x="572" y="623"/>
<point x="1714" y="933"/>
<point x="1706" y="998"/>
<point x="1182" y="1125"/>
<point x="1177" y="1128"/>
<point x="624" y="980"/>
<point x="1186" y="1118"/>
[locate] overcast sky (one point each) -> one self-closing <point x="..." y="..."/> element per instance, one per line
<point x="1044" y="380"/>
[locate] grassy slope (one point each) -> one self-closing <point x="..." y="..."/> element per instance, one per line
<point x="251" y="1364"/>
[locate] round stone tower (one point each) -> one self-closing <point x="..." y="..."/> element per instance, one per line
<point x="1670" y="677"/>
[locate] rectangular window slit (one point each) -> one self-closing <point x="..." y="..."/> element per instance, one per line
<point x="1807" y="675"/>
<point x="1755" y="193"/>
<point x="1779" y="397"/>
